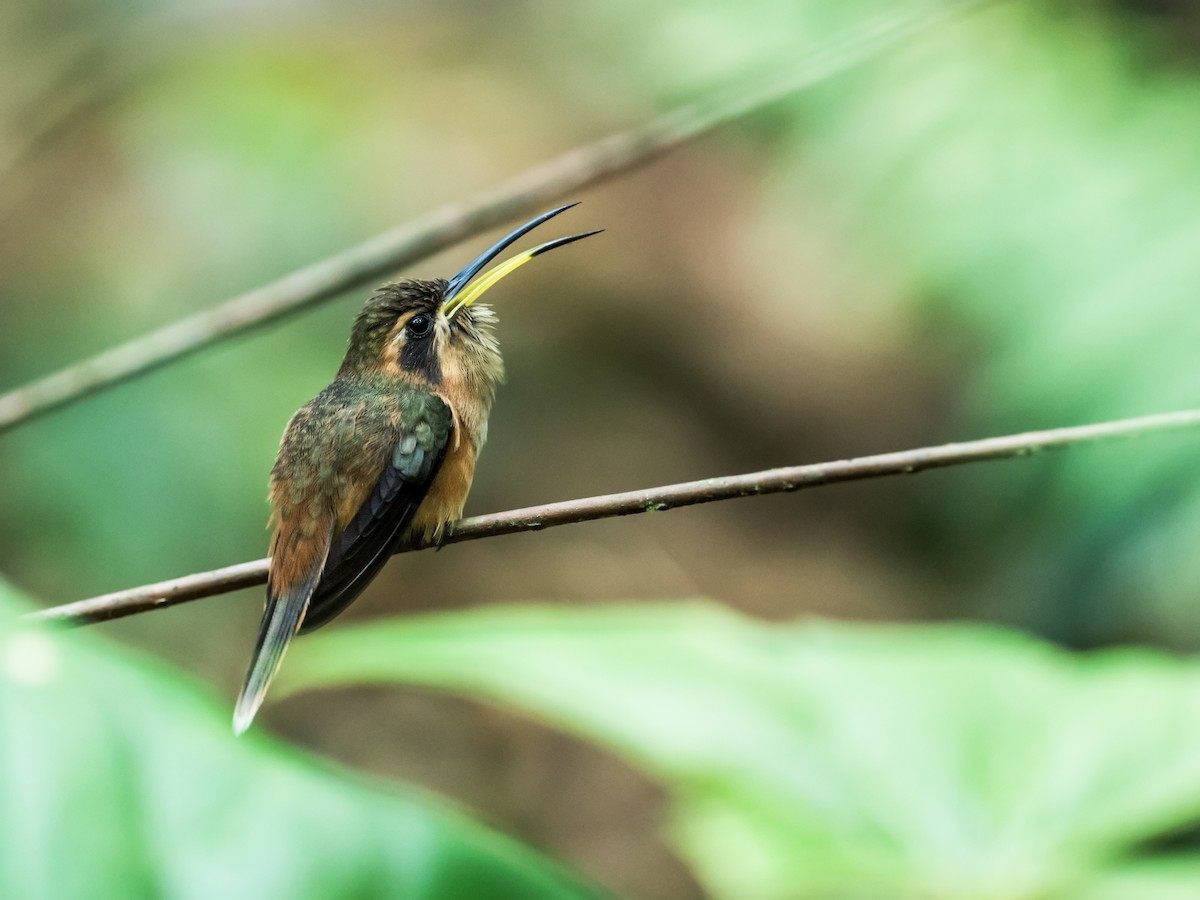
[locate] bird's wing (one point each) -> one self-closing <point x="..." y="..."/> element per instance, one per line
<point x="370" y="538"/>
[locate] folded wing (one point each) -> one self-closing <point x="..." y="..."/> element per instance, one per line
<point x="372" y="535"/>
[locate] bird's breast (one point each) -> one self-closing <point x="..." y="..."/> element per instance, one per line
<point x="447" y="494"/>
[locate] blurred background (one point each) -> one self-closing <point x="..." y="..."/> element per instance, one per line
<point x="995" y="228"/>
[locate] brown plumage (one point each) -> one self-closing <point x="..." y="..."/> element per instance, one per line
<point x="385" y="454"/>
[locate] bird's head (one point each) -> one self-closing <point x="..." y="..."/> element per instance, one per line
<point x="431" y="332"/>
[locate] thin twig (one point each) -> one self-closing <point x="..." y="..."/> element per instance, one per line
<point x="535" y="518"/>
<point x="444" y="227"/>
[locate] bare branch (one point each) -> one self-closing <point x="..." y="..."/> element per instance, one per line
<point x="535" y="518"/>
<point x="444" y="227"/>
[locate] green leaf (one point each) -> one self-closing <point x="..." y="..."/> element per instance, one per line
<point x="123" y="780"/>
<point x="823" y="760"/>
<point x="1158" y="879"/>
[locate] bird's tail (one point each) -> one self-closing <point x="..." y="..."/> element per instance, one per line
<point x="281" y="620"/>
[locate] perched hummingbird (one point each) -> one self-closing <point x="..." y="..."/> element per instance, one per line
<point x="385" y="453"/>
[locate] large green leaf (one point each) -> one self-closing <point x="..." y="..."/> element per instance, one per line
<point x="121" y="780"/>
<point x="822" y="760"/>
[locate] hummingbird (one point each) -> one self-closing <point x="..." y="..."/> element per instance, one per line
<point x="386" y="453"/>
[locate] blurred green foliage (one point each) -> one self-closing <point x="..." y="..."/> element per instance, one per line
<point x="124" y="780"/>
<point x="996" y="228"/>
<point x="1033" y="182"/>
<point x="835" y="761"/>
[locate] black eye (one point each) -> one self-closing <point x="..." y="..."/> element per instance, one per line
<point x="419" y="326"/>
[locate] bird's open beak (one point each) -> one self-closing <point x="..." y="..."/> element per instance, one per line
<point x="459" y="295"/>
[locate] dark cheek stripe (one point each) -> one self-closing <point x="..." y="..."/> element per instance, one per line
<point x="420" y="358"/>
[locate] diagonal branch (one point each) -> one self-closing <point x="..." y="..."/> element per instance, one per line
<point x="535" y="518"/>
<point x="429" y="234"/>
